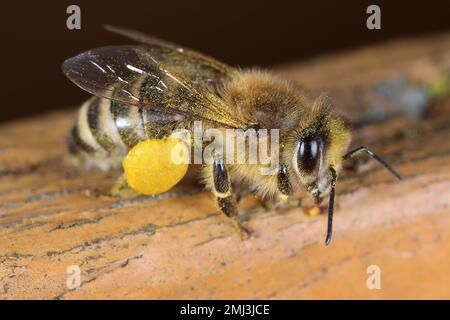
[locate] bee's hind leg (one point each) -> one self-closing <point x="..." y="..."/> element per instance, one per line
<point x="282" y="200"/>
<point x="221" y="187"/>
<point x="121" y="188"/>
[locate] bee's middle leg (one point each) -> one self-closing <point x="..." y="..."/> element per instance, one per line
<point x="221" y="187"/>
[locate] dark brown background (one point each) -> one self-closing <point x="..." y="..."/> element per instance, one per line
<point x="35" y="39"/>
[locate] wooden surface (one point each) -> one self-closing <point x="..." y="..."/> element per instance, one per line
<point x="179" y="246"/>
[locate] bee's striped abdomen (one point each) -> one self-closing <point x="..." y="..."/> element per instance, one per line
<point x="104" y="130"/>
<point x="129" y="123"/>
<point x="76" y="143"/>
<point x="81" y="134"/>
<point x="158" y="125"/>
<point x="101" y="126"/>
<point x="94" y="136"/>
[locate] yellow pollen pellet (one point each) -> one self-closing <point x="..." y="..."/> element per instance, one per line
<point x="155" y="166"/>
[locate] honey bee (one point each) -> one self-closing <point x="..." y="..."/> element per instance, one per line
<point x="147" y="91"/>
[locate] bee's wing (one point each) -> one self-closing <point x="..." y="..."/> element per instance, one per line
<point x="157" y="77"/>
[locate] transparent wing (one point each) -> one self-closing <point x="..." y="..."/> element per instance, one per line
<point x="152" y="76"/>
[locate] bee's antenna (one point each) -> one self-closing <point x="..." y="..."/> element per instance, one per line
<point x="373" y="155"/>
<point x="331" y="206"/>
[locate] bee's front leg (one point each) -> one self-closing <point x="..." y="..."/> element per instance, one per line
<point x="221" y="187"/>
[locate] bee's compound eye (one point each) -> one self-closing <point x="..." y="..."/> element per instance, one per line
<point x="308" y="154"/>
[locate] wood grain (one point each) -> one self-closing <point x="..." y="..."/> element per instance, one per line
<point x="178" y="246"/>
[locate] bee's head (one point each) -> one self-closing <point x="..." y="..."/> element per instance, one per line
<point x="317" y="149"/>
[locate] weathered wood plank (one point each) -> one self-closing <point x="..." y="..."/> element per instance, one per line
<point x="179" y="246"/>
